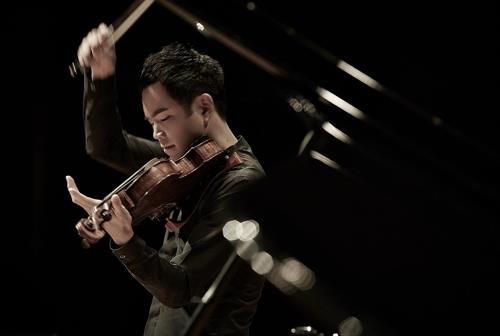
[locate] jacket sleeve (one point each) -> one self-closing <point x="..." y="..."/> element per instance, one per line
<point x="105" y="139"/>
<point x="162" y="278"/>
<point x="176" y="283"/>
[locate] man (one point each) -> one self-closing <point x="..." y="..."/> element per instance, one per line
<point x="183" y="99"/>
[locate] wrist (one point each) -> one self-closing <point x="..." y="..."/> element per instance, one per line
<point x="102" y="74"/>
<point x="120" y="241"/>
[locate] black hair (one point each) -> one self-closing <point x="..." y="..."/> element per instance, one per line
<point x="185" y="73"/>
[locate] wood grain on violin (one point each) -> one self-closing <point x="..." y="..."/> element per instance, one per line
<point x="161" y="184"/>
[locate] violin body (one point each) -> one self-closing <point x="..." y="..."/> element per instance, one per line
<point x="161" y="183"/>
<point x="166" y="182"/>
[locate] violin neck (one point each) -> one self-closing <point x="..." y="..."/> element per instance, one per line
<point x="129" y="180"/>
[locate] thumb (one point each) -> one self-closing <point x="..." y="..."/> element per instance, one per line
<point x="70" y="183"/>
<point x="73" y="190"/>
<point x="78" y="198"/>
<point x="119" y="208"/>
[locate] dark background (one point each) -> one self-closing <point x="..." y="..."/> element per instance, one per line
<point x="405" y="237"/>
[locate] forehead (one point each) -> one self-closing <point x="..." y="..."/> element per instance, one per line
<point x="155" y="92"/>
<point x="156" y="98"/>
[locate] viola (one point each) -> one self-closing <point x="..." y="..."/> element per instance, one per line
<point x="157" y="187"/>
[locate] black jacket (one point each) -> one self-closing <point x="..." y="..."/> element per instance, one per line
<point x="184" y="268"/>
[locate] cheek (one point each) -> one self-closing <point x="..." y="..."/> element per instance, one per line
<point x="196" y="128"/>
<point x="184" y="135"/>
<point x="193" y="128"/>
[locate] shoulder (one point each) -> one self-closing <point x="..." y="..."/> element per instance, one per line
<point x="236" y="179"/>
<point x="227" y="188"/>
<point x="224" y="198"/>
<point x="242" y="175"/>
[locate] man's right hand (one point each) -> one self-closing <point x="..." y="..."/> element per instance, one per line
<point x="97" y="52"/>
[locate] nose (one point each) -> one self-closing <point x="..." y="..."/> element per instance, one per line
<point x="156" y="131"/>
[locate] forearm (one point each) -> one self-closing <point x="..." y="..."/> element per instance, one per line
<point x="105" y="139"/>
<point x="163" y="279"/>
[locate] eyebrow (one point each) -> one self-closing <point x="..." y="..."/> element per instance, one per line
<point x="155" y="112"/>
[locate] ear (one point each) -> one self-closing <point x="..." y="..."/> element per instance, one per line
<point x="204" y="104"/>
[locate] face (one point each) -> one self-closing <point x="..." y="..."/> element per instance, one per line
<point x="173" y="127"/>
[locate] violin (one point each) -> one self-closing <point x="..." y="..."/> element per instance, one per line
<point x="157" y="187"/>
